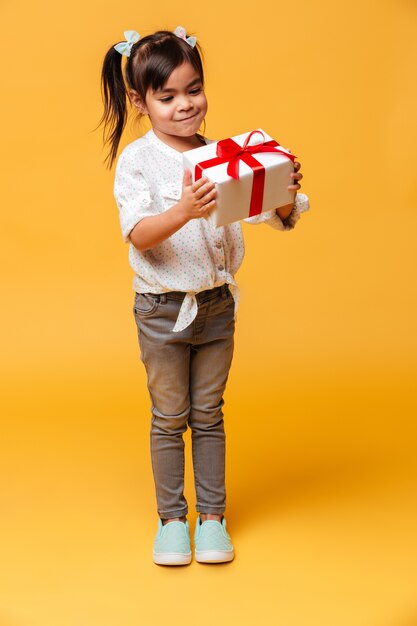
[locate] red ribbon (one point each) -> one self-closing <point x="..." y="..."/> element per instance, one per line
<point x="228" y="150"/>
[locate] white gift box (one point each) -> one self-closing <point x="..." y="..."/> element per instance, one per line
<point x="235" y="197"/>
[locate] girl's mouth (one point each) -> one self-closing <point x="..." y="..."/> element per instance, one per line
<point x="187" y="118"/>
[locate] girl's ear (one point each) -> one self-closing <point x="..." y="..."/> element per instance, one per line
<point x="137" y="101"/>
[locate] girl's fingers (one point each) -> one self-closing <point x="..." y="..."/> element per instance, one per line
<point x="199" y="183"/>
<point x="187" y="176"/>
<point x="206" y="208"/>
<point x="205" y="190"/>
<point x="297" y="165"/>
<point x="208" y="205"/>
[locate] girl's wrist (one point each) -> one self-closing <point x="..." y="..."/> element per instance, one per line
<point x="284" y="211"/>
<point x="180" y="214"/>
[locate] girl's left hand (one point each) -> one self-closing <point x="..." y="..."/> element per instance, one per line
<point x="296" y="176"/>
<point x="284" y="211"/>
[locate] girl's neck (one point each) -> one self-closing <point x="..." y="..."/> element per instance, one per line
<point x="181" y="144"/>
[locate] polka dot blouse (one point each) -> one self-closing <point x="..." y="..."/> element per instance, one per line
<point x="148" y="181"/>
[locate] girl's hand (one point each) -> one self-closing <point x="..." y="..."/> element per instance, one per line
<point x="197" y="199"/>
<point x="284" y="211"/>
<point x="296" y="177"/>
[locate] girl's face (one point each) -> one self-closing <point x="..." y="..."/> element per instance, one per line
<point x="180" y="106"/>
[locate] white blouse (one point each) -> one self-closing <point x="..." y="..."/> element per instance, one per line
<point x="148" y="181"/>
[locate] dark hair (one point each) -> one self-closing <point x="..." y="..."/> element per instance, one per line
<point x="151" y="62"/>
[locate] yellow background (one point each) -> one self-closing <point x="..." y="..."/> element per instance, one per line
<point x="320" y="407"/>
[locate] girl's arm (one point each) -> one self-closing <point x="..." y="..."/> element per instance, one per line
<point x="197" y="199"/>
<point x="141" y="224"/>
<point x="153" y="229"/>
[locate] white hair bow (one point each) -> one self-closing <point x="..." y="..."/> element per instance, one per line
<point x="180" y="32"/>
<point x="125" y="46"/>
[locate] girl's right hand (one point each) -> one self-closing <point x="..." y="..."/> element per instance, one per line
<point x="198" y="198"/>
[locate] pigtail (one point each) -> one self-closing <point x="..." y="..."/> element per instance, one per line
<point x="114" y="99"/>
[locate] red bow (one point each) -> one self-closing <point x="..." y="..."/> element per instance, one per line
<point x="229" y="150"/>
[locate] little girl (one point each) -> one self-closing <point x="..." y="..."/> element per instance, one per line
<point x="186" y="296"/>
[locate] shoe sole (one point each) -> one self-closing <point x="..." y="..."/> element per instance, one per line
<point x="214" y="556"/>
<point x="172" y="558"/>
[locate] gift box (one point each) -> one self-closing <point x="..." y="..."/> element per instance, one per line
<point x="251" y="172"/>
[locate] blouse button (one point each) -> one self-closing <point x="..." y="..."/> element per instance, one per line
<point x="221" y="267"/>
<point x="219" y="244"/>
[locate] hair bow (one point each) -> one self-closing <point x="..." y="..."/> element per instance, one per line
<point x="125" y="46"/>
<point x="180" y="32"/>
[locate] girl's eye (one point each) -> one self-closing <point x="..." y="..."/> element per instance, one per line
<point x="169" y="97"/>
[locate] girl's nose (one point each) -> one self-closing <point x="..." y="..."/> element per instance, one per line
<point x="185" y="103"/>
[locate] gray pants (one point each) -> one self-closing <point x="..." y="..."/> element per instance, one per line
<point x="187" y="373"/>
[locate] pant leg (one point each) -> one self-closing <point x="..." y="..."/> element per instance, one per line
<point x="210" y="361"/>
<point x="166" y="357"/>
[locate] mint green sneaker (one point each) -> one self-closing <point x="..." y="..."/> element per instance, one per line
<point x="172" y="543"/>
<point x="212" y="542"/>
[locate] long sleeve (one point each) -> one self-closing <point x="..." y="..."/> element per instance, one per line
<point x="132" y="194"/>
<point x="271" y="218"/>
